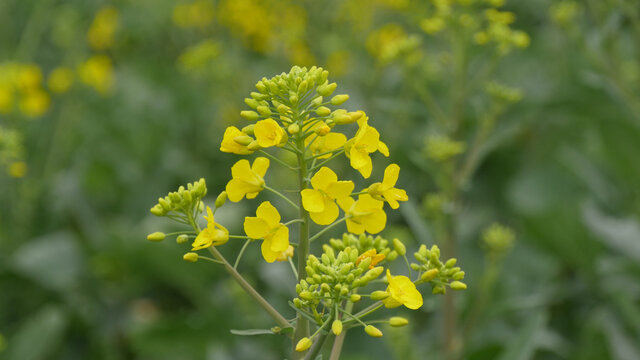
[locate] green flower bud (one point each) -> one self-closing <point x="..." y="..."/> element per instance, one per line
<point x="450" y="263"/>
<point x="354" y="298"/>
<point x="182" y="238"/>
<point x="458" y="285"/>
<point x="252" y="103"/>
<point x="190" y="257"/>
<point x="317" y="101"/>
<point x="304" y="344"/>
<point x="399" y="247"/>
<point x="356" y="115"/>
<point x="336" y="327"/>
<point x="429" y="275"/>
<point x="339" y="99"/>
<point x="458" y="275"/>
<point x="306" y="295"/>
<point x="261" y="87"/>
<point x="372" y="331"/>
<point x="327" y="89"/>
<point x="415" y="267"/>
<point x="250" y="115"/>
<point x="293" y="99"/>
<point x="243" y="140"/>
<point x="374" y="273"/>
<point x="303" y="87"/>
<point x="392" y="255"/>
<point x="248" y="129"/>
<point x="156" y="236"/>
<point x="297" y="303"/>
<point x="323" y="111"/>
<point x="264" y="110"/>
<point x="283" y="109"/>
<point x="165" y="203"/>
<point x="438" y="290"/>
<point x="379" y="295"/>
<point x="158" y="210"/>
<point x="398" y="321"/>
<point x="221" y="199"/>
<point x="254" y="146"/>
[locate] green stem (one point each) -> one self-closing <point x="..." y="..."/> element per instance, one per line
<point x="278" y="160"/>
<point x="329" y="159"/>
<point x="282" y="322"/>
<point x="327" y="228"/>
<point x="244" y="247"/>
<point x="302" y="324"/>
<point x="282" y="196"/>
<point x="317" y="345"/>
<point x="339" y="340"/>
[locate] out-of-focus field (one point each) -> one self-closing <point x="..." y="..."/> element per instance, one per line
<point x="106" y="105"/>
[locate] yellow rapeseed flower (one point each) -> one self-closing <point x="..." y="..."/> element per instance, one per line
<point x="385" y="191"/>
<point x="27" y="77"/>
<point x="269" y="133"/>
<point x="402" y="291"/>
<point x="60" y="80"/>
<point x="366" y="214"/>
<point x="6" y="98"/>
<point x="373" y="254"/>
<point x="102" y="30"/>
<point x="323" y="144"/>
<point x="365" y="142"/>
<point x="247" y="181"/>
<point x="213" y="235"/>
<point x="34" y="103"/>
<point x="266" y="225"/>
<point x="229" y="145"/>
<point x="320" y="201"/>
<point x="18" y="169"/>
<point x="97" y="72"/>
<point x="285" y="255"/>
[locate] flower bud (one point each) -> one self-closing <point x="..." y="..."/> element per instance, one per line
<point x="283" y="109"/>
<point x="458" y="275"/>
<point x="398" y="321"/>
<point x="264" y="110"/>
<point x="372" y="331"/>
<point x="379" y="295"/>
<point x="293" y="98"/>
<point x="322" y="130"/>
<point x="341" y="117"/>
<point x="252" y="103"/>
<point x="450" y="263"/>
<point x="164" y="203"/>
<point x="339" y="99"/>
<point x="248" y="129"/>
<point x="303" y="344"/>
<point x="190" y="257"/>
<point x="293" y="128"/>
<point x="221" y="199"/>
<point x="157" y="210"/>
<point x="156" y="236"/>
<point x="182" y="238"/>
<point x="249" y="115"/>
<point x="303" y="87"/>
<point x="306" y="295"/>
<point x="356" y="115"/>
<point x="399" y="247"/>
<point x="429" y="275"/>
<point x="317" y="101"/>
<point x="254" y="146"/>
<point x="354" y="298"/>
<point x="323" y="111"/>
<point x="243" y="140"/>
<point x="327" y="89"/>
<point x="336" y="327"/>
<point x="458" y="285"/>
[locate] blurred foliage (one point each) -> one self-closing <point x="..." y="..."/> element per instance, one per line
<point x="105" y="104"/>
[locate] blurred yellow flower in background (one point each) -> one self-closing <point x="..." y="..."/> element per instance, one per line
<point x="103" y="28"/>
<point x="97" y="72"/>
<point x="60" y="80"/>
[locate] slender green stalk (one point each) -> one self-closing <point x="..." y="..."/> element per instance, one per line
<point x="278" y="161"/>
<point x="244" y="247"/>
<point x="282" y="322"/>
<point x="327" y="228"/>
<point x="317" y="345"/>
<point x="283" y="197"/>
<point x="339" y="340"/>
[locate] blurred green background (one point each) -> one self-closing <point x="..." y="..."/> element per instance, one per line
<point x="106" y="105"/>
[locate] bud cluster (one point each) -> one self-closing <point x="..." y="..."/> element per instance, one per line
<point x="365" y="243"/>
<point x="335" y="277"/>
<point x="185" y="200"/>
<point x="438" y="274"/>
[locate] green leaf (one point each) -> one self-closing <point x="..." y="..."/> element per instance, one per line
<point x="38" y="336"/>
<point x="253" y="332"/>
<point x="621" y="234"/>
<point x="523" y="346"/>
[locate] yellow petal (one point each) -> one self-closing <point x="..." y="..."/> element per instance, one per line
<point x="323" y="178"/>
<point x="280" y="239"/>
<point x="268" y="133"/>
<point x="260" y="166"/>
<point x="312" y="200"/>
<point x="228" y="145"/>
<point x="256" y="228"/>
<point x="365" y="170"/>
<point x="354" y="227"/>
<point x="383" y="148"/>
<point x="268" y="255"/>
<point x="328" y="215"/>
<point x="242" y="171"/>
<point x="375" y="222"/>
<point x="269" y="213"/>
<point x="346" y="203"/>
<point x="391" y="176"/>
<point x="236" y="189"/>
<point x="339" y="189"/>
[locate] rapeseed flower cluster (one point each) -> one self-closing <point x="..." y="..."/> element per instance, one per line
<point x="296" y="121"/>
